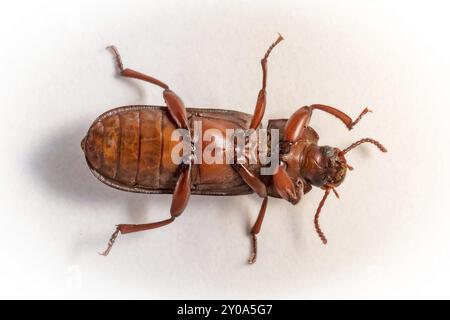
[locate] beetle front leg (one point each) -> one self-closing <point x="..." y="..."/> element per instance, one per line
<point x="349" y="123"/>
<point x="261" y="100"/>
<point x="293" y="131"/>
<point x="296" y="124"/>
<point x="285" y="187"/>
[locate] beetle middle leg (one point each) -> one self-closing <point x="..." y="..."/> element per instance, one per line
<point x="255" y="230"/>
<point x="261" y="100"/>
<point x="180" y="199"/>
<point x="260" y="189"/>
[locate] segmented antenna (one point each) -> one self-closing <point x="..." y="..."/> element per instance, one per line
<point x="316" y="217"/>
<point x="357" y="143"/>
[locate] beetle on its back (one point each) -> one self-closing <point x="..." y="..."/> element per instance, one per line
<point x="131" y="148"/>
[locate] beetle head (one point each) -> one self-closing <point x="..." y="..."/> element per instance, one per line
<point x="325" y="167"/>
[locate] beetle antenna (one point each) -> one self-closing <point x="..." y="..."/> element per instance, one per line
<point x="316" y="217"/>
<point x="111" y="242"/>
<point x="357" y="143"/>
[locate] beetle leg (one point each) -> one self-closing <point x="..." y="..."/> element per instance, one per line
<point x="182" y="191"/>
<point x="129" y="228"/>
<point x="176" y="106"/>
<point x="179" y="201"/>
<point x="349" y="123"/>
<point x="129" y="73"/>
<point x="260" y="189"/>
<point x="261" y="100"/>
<point x="285" y="187"/>
<point x="251" y="180"/>
<point x="296" y="124"/>
<point x="255" y="230"/>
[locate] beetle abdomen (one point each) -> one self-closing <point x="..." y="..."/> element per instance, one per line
<point x="125" y="145"/>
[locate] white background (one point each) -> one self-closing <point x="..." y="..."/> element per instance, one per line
<point x="388" y="235"/>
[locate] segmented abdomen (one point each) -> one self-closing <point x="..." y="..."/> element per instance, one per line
<point x="127" y="145"/>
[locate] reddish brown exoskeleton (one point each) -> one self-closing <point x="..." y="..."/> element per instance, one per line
<point x="129" y="148"/>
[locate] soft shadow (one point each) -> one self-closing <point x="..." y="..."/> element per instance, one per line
<point x="59" y="166"/>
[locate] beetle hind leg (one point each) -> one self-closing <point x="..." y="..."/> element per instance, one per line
<point x="129" y="228"/>
<point x="174" y="103"/>
<point x="126" y="72"/>
<point x="180" y="200"/>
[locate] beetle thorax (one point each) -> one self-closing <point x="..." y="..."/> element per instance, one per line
<point x="293" y="157"/>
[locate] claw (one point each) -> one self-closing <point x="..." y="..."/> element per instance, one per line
<point x="110" y="242"/>
<point x="252" y="258"/>
<point x="366" y="110"/>
<point x="116" y="57"/>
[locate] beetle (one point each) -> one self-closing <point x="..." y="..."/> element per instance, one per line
<point x="129" y="148"/>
